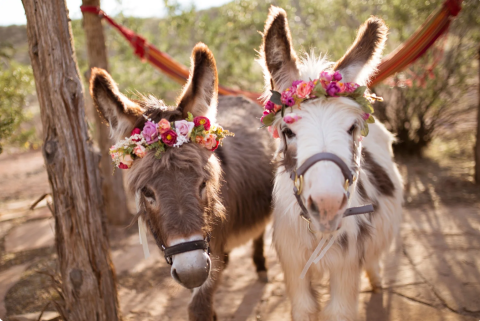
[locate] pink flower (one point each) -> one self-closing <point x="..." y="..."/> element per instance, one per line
<point x="125" y="160"/>
<point x="273" y="131"/>
<point x="287" y="97"/>
<point x="277" y="108"/>
<point x="333" y="89"/>
<point x="150" y="132"/>
<point x="325" y="75"/>
<point x="140" y="151"/>
<point x="269" y="105"/>
<point x="266" y="112"/>
<point x="183" y="127"/>
<point x="200" y="120"/>
<point x="295" y="84"/>
<point x="337" y="76"/>
<point x="350" y="87"/>
<point x="304" y="89"/>
<point x="291" y="118"/>
<point x="169" y="137"/>
<point x="163" y="126"/>
<point x="341" y="85"/>
<point x="200" y="140"/>
<point x="211" y="142"/>
<point x="366" y="116"/>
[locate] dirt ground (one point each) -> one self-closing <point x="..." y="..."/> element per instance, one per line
<point x="431" y="273"/>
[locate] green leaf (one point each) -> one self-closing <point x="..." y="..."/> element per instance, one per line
<point x="276" y="97"/>
<point x="319" y="90"/>
<point x="359" y="92"/>
<point x="190" y="116"/>
<point x="268" y="119"/>
<point x="366" y="106"/>
<point x="370" y="120"/>
<point x="283" y="110"/>
<point x="364" y="131"/>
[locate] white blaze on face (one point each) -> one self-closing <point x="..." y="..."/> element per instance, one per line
<point x="324" y="127"/>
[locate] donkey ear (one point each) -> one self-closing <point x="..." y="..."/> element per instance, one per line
<point x="277" y="53"/>
<point x="199" y="95"/>
<point x="361" y="60"/>
<point x="119" y="111"/>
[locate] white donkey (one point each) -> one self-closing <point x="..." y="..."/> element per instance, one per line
<point x="321" y="125"/>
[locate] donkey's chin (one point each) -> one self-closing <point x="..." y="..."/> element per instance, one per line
<point x="329" y="227"/>
<point x="191" y="269"/>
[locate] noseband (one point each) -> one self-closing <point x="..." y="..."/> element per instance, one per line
<point x="180" y="248"/>
<point x="170" y="251"/>
<point x="297" y="177"/>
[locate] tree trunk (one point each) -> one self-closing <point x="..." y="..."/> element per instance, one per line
<point x="114" y="198"/>
<point x="477" y="147"/>
<point x="88" y="278"/>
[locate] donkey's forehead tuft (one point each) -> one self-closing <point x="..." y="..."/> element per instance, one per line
<point x="190" y="157"/>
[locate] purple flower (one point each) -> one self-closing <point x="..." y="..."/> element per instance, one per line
<point x="287" y="93"/>
<point x="337" y="76"/>
<point x="295" y="84"/>
<point x="269" y="105"/>
<point x="333" y="88"/>
<point x="290" y="102"/>
<point x="150" y="132"/>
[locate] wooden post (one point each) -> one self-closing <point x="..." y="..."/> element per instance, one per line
<point x="114" y="198"/>
<point x="477" y="146"/>
<point x="88" y="278"/>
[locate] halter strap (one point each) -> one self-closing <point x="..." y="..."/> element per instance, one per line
<point x="328" y="157"/>
<point x="180" y="248"/>
<point x="170" y="251"/>
<point x="297" y="177"/>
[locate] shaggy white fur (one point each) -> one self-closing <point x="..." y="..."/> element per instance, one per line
<point x="324" y="128"/>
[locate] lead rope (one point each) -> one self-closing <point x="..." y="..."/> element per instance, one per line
<point x="314" y="258"/>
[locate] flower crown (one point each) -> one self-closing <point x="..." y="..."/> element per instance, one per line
<point x="167" y="134"/>
<point x="328" y="85"/>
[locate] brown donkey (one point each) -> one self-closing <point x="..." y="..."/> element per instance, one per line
<point x="192" y="194"/>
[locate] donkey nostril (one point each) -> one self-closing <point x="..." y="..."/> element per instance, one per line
<point x="313" y="207"/>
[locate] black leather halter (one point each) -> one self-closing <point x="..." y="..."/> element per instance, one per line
<point x="297" y="177"/>
<point x="180" y="248"/>
<point x="170" y="251"/>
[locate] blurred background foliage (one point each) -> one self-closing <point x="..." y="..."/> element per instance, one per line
<point x="435" y="96"/>
<point x="16" y="83"/>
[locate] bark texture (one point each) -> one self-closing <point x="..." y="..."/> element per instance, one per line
<point x="477" y="146"/>
<point x="114" y="197"/>
<point x="88" y="277"/>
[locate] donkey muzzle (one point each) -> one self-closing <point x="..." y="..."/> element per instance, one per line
<point x="327" y="211"/>
<point x="191" y="269"/>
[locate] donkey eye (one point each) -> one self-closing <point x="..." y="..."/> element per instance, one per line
<point x="288" y="132"/>
<point x="350" y="131"/>
<point x="148" y="193"/>
<point x="202" y="186"/>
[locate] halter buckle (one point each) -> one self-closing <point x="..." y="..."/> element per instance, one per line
<point x="298" y="182"/>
